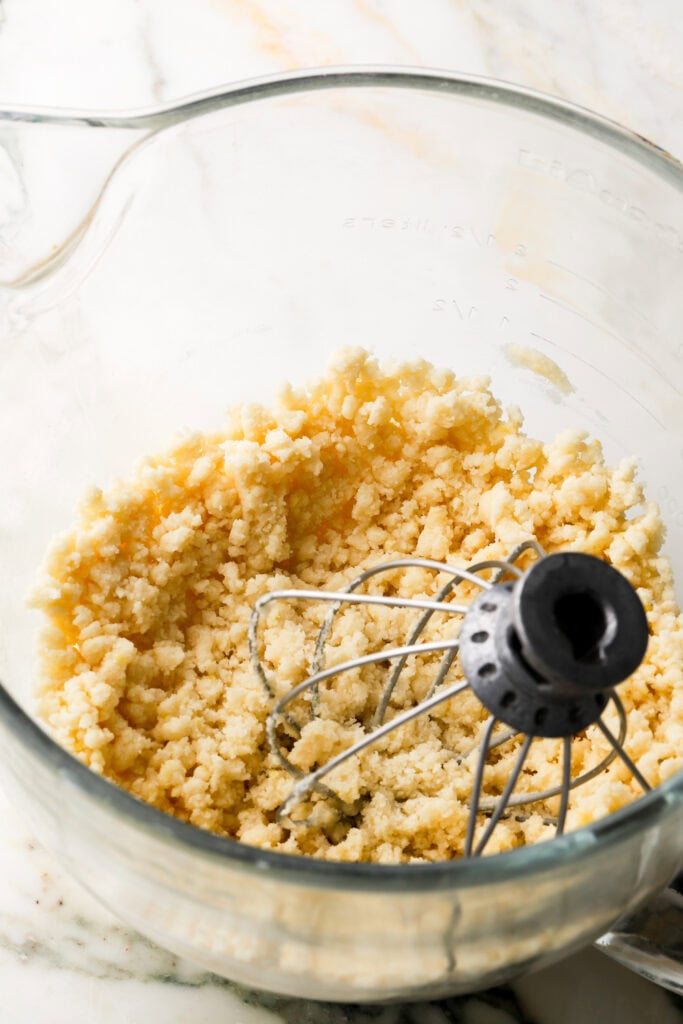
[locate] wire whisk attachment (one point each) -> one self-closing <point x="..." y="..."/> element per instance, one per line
<point x="542" y="649"/>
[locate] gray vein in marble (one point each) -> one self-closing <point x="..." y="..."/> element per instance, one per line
<point x="497" y="1006"/>
<point x="157" y="76"/>
<point x="67" y="950"/>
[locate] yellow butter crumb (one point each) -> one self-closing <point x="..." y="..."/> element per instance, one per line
<point x="538" y="362"/>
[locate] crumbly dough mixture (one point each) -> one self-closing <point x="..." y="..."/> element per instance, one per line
<point x="144" y="660"/>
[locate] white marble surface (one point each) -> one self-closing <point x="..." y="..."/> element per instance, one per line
<point x="63" y="958"/>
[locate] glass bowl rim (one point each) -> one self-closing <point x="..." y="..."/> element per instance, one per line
<point x="496" y="869"/>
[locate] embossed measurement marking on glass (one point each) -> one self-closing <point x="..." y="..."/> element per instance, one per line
<point x="586" y="181"/>
<point x="605" y="291"/>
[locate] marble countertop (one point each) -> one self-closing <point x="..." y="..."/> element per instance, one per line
<point x="62" y="957"/>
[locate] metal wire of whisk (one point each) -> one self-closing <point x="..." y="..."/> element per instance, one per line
<point x="542" y="649"/>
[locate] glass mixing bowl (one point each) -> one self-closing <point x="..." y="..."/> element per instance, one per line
<point x="155" y="268"/>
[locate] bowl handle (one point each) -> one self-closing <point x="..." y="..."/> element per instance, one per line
<point x="650" y="941"/>
<point x="52" y="175"/>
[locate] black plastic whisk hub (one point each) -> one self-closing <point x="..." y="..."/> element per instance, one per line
<point x="543" y="653"/>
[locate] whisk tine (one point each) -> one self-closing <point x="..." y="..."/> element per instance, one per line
<point x="523" y="547"/>
<point x="301" y="789"/>
<point x="327" y="595"/>
<point x="444" y="668"/>
<point x="471" y="575"/>
<point x="279" y="713"/>
<point x="459" y="575"/>
<point x="343" y="597"/>
<point x="484" y="748"/>
<point x="416" y="632"/>
<point x="566" y="784"/>
<point x="505" y="796"/>
<point x="621" y="753"/>
<point x="366" y="659"/>
<point x="540" y="796"/>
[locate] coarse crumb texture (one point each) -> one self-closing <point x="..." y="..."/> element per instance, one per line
<point x="144" y="661"/>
